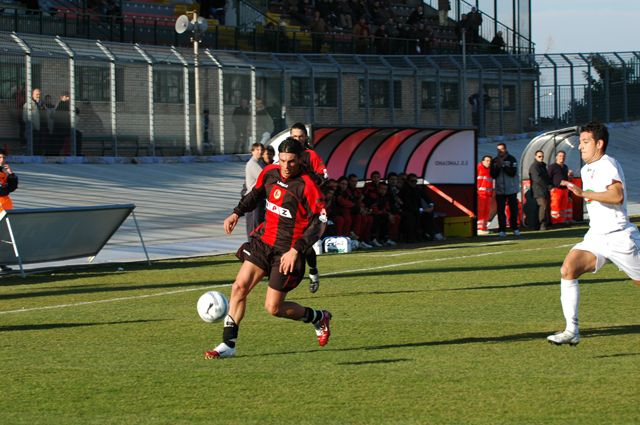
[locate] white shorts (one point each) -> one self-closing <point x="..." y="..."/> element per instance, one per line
<point x="622" y="248"/>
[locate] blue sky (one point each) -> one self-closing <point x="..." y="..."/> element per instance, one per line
<point x="568" y="26"/>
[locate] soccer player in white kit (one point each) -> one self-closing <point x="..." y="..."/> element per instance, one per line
<point x="611" y="235"/>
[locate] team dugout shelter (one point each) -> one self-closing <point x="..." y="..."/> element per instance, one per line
<point x="444" y="158"/>
<point x="564" y="211"/>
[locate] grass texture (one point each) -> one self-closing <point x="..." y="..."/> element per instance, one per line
<point x="449" y="333"/>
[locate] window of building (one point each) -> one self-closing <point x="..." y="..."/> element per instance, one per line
<point x="380" y="95"/>
<point x="236" y="87"/>
<point x="168" y="87"/>
<point x="93" y="84"/>
<point x="12" y="78"/>
<point x="326" y="92"/>
<point x="508" y="97"/>
<point x="448" y="95"/>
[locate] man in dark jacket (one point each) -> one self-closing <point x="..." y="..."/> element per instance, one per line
<point x="540" y="185"/>
<point x="504" y="170"/>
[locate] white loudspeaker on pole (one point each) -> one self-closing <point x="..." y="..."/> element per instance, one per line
<point x="197" y="25"/>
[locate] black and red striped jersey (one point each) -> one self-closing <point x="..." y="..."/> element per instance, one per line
<point x="293" y="208"/>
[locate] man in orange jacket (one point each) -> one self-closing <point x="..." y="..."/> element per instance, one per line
<point x="484" y="184"/>
<point x="8" y="183"/>
<point x="561" y="208"/>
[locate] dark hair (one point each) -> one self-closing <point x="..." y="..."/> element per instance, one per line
<point x="300" y="126"/>
<point x="391" y="174"/>
<point x="599" y="131"/>
<point x="539" y="151"/>
<point x="3" y="152"/>
<point x="486" y="156"/>
<point x="270" y="148"/>
<point x="256" y="145"/>
<point x="290" y="145"/>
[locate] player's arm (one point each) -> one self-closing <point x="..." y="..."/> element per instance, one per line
<point x="313" y="200"/>
<point x="250" y="201"/>
<point x="318" y="166"/>
<point x="614" y="194"/>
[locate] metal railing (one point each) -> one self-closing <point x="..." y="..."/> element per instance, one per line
<point x="139" y="100"/>
<point x="260" y="37"/>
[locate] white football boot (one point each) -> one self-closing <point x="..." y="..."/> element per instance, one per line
<point x="221" y="351"/>
<point x="564" y="337"/>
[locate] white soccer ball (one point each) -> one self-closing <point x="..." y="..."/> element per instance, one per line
<point x="212" y="306"/>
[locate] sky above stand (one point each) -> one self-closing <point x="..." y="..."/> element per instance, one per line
<point x="571" y="26"/>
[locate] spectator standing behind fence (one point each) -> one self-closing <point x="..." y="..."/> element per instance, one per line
<point x="475" y="22"/>
<point x="62" y="127"/>
<point x="504" y="170"/>
<point x="540" y="185"/>
<point x="318" y="28"/>
<point x="444" y="6"/>
<point x="19" y="101"/>
<point x="240" y="119"/>
<point x="362" y="34"/>
<point x="38" y="116"/>
<point x="8" y="183"/>
<point x="205" y="126"/>
<point x="561" y="206"/>
<point x="497" y="43"/>
<point x="264" y="122"/>
<point x="253" y="168"/>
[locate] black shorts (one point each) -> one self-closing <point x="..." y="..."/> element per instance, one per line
<point x="268" y="259"/>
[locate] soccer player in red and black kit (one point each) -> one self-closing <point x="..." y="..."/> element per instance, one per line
<point x="292" y="224"/>
<point x="314" y="165"/>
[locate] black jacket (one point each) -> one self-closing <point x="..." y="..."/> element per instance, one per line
<point x="540" y="181"/>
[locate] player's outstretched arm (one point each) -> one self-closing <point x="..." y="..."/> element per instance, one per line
<point x="230" y="223"/>
<point x="613" y="195"/>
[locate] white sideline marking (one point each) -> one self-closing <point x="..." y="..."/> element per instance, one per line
<point x="200" y="288"/>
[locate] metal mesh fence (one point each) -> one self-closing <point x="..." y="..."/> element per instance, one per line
<point x="113" y="99"/>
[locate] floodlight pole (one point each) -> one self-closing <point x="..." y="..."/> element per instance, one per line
<point x="196" y="76"/>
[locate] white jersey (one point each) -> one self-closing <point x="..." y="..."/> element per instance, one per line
<point x="596" y="177"/>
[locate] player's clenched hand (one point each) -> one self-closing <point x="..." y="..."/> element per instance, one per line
<point x="288" y="261"/>
<point x="230" y="223"/>
<point x="572" y="187"/>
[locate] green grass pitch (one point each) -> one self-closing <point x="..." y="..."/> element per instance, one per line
<point x="450" y="333"/>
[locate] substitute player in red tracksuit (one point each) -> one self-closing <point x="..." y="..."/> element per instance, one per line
<point x="484" y="185"/>
<point x="311" y="163"/>
<point x="292" y="224"/>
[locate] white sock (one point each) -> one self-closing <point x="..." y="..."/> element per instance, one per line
<point x="570" y="298"/>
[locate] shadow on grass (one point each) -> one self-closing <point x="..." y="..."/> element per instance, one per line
<point x="69" y="273"/>
<point x="522" y="285"/>
<point x="520" y="337"/>
<point x="106" y="288"/>
<point x="617" y="355"/>
<point x="47" y="326"/>
<point x="475" y="268"/>
<point x="368" y="362"/>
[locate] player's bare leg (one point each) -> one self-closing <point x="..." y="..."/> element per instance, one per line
<point x="576" y="263"/>
<point x="247" y="278"/>
<point x="276" y="305"/>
